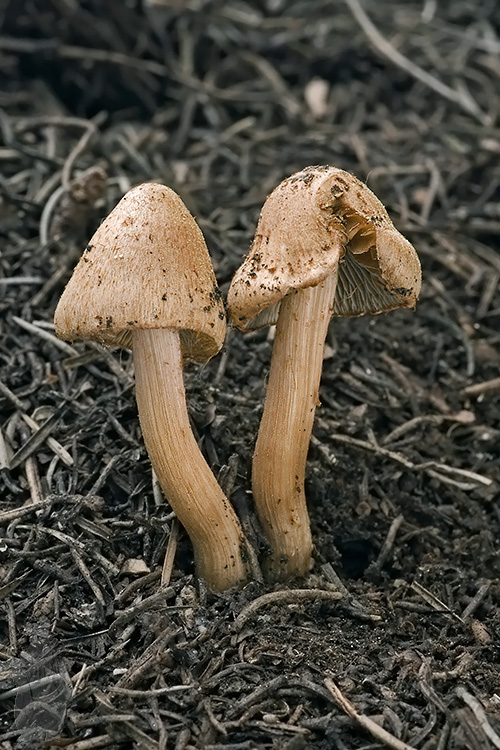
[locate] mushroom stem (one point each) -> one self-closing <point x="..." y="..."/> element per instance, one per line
<point x="280" y="456"/>
<point x="185" y="477"/>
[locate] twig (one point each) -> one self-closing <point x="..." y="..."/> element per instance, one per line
<point x="47" y="211"/>
<point x="8" y="394"/>
<point x="476" y="601"/>
<point x="488" y="386"/>
<point x="432" y="468"/>
<point x="376" y="566"/>
<point x="462" y="417"/>
<point x="103" y="740"/>
<point x="154" y="602"/>
<point x="480" y="715"/>
<point x="288" y="596"/>
<point x="153" y="693"/>
<point x="85" y="573"/>
<point x="57" y="448"/>
<point x="352" y="605"/>
<point x="11" y="515"/>
<point x="381" y="44"/>
<point x="380" y="734"/>
<point x="168" y="563"/>
<point x="46" y="335"/>
<point x="89" y="130"/>
<point x="38" y="437"/>
<point x="141" y="738"/>
<point x="434" y="602"/>
<point x="30" y="687"/>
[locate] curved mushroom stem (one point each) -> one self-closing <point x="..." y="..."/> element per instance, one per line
<point x="185" y="477"/>
<point x="280" y="456"/>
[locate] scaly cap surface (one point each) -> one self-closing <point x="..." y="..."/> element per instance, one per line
<point x="313" y="221"/>
<point x="147" y="266"/>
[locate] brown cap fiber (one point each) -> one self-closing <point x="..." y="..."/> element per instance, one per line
<point x="147" y="266"/>
<point x="315" y="220"/>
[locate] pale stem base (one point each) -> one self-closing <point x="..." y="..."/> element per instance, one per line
<point x="185" y="477"/>
<point x="280" y="456"/>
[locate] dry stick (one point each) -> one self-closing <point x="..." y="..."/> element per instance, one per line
<point x="488" y="386"/>
<point x="114" y="366"/>
<point x="8" y="394"/>
<point x="5" y="452"/>
<point x="93" y="721"/>
<point x="356" y="609"/>
<point x="378" y="564"/>
<point x="168" y="563"/>
<point x="53" y="444"/>
<point x="35" y="441"/>
<point x="480" y="715"/>
<point x="11" y="515"/>
<point x="289" y="596"/>
<point x="432" y="468"/>
<point x="434" y="602"/>
<point x="7" y="589"/>
<point x="85" y="573"/>
<point x="46" y="217"/>
<point x="46" y="336"/>
<point x="90" y="130"/>
<point x="140" y="583"/>
<point x="381" y="44"/>
<point x="461" y="417"/>
<point x="80" y="547"/>
<point x="156" y="601"/>
<point x="72" y="52"/>
<point x="192" y="493"/>
<point x="154" y="692"/>
<point x="147" y="661"/>
<point x="141" y="738"/>
<point x="285" y="430"/>
<point x="380" y="734"/>
<point x="11" y="625"/>
<point x="30" y="687"/>
<point x="103" y="740"/>
<point x="476" y="601"/>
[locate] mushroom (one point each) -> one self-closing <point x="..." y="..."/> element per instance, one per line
<point x="145" y="281"/>
<point x="324" y="246"/>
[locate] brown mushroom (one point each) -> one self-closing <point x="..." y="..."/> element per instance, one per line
<point x="145" y="281"/>
<point x="324" y="246"/>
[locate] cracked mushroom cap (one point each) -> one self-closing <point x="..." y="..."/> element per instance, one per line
<point x="313" y="221"/>
<point x="147" y="266"/>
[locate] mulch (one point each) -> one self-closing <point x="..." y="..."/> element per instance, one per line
<point x="397" y="625"/>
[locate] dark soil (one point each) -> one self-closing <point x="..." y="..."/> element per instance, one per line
<point x="216" y="100"/>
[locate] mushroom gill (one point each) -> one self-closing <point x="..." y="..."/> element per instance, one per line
<point x="360" y="286"/>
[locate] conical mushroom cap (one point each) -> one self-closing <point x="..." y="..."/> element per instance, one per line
<point x="314" y="221"/>
<point x="147" y="266"/>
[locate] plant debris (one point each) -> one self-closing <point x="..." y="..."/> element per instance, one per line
<point x="103" y="643"/>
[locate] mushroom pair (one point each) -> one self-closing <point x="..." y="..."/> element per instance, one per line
<point x="324" y="246"/>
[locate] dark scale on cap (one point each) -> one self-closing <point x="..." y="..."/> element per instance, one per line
<point x="216" y="293"/>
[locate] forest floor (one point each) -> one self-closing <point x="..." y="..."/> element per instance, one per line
<point x="221" y="101"/>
